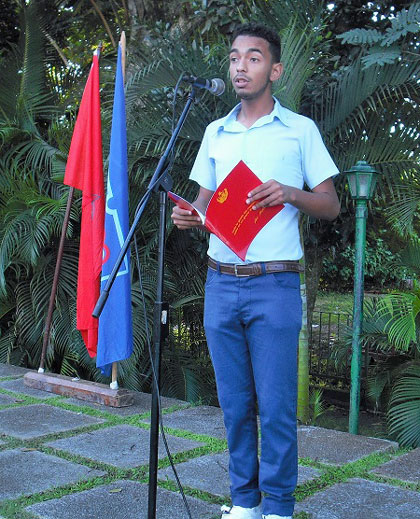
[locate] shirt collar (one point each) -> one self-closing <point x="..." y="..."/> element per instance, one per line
<point x="229" y="122"/>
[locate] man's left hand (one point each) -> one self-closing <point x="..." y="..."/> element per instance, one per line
<point x="271" y="193"/>
<point x="321" y="202"/>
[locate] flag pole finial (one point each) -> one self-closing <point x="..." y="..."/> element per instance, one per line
<point x="122" y="45"/>
<point x="98" y="50"/>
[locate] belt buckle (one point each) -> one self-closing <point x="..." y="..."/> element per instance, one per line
<point x="236" y="271"/>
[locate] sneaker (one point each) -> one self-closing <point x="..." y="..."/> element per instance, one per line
<point x="273" y="516"/>
<point x="238" y="512"/>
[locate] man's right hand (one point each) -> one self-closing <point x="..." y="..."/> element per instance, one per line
<point x="184" y="219"/>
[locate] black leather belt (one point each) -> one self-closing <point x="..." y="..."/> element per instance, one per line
<point x="255" y="269"/>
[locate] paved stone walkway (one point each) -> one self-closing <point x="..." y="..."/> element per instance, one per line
<point x="62" y="458"/>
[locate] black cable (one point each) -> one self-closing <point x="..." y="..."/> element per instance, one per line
<point x="155" y="378"/>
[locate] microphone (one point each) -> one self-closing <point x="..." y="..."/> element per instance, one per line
<point x="215" y="86"/>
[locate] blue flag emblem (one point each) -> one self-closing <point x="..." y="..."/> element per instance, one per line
<point x="115" y="339"/>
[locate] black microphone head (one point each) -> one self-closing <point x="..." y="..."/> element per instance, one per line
<point x="217" y="86"/>
<point x="188" y="78"/>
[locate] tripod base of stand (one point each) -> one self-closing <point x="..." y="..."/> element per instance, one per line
<point x="81" y="389"/>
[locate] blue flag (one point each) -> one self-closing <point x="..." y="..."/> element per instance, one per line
<point x="115" y="341"/>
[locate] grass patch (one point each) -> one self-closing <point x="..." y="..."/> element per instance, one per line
<point x="338" y="474"/>
<point x="370" y="424"/>
<point x="183" y="456"/>
<point x="394" y="482"/>
<point x="24" y="399"/>
<point x="309" y="462"/>
<point x="82" y="460"/>
<point x="97" y="413"/>
<point x="14" y="511"/>
<point x="14" y="508"/>
<point x="334" y="302"/>
<point x="136" y="419"/>
<point x="12" y="443"/>
<point x="202" y="438"/>
<point x="177" y="407"/>
<point x="334" y="418"/>
<point x="40" y="440"/>
<point x="192" y="492"/>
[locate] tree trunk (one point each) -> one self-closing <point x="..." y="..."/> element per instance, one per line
<point x="303" y="351"/>
<point x="309" y="282"/>
<point x="303" y="359"/>
<point x="313" y="269"/>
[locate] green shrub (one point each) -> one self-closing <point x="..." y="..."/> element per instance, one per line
<point x="382" y="270"/>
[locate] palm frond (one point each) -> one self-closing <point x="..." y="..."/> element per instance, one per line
<point x="378" y="55"/>
<point x="401" y="326"/>
<point x="404" y="407"/>
<point x="405" y="21"/>
<point x="360" y="36"/>
<point x="299" y="56"/>
<point x="410" y="256"/>
<point x="279" y="14"/>
<point x="344" y="106"/>
<point x="402" y="212"/>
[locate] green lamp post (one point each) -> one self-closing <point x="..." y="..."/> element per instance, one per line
<point x="362" y="181"/>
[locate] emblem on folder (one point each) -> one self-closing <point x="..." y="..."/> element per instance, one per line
<point x="236" y="223"/>
<point x="222" y="196"/>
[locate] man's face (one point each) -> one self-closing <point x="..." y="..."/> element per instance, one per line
<point x="251" y="67"/>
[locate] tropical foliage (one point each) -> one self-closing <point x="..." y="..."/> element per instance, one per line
<point x="380" y="273"/>
<point x="363" y="113"/>
<point x="392" y="329"/>
<point x="386" y="47"/>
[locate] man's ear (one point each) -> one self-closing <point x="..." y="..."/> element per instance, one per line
<point x="276" y="71"/>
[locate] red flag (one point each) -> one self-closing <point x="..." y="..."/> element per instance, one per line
<point x="84" y="171"/>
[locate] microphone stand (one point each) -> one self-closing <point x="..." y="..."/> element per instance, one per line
<point x="162" y="182"/>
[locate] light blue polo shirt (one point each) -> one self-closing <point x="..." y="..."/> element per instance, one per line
<point x="283" y="146"/>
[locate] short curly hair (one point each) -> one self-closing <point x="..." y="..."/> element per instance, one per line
<point x="261" y="31"/>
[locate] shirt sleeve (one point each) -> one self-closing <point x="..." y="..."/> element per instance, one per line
<point x="203" y="170"/>
<point x="317" y="164"/>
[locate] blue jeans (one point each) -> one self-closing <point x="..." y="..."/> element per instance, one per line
<point x="252" y="328"/>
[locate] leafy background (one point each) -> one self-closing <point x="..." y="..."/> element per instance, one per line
<point x="351" y="65"/>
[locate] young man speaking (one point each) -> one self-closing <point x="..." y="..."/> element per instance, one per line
<point x="252" y="311"/>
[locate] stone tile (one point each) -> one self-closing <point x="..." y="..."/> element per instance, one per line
<point x="405" y="467"/>
<point x="210" y="473"/>
<point x="28" y="472"/>
<point x="129" y="502"/>
<point x="203" y="419"/>
<point x="19" y="386"/>
<point x="121" y="445"/>
<point x="142" y="404"/>
<point x="7" y="399"/>
<point x="362" y="499"/>
<point x="307" y="474"/>
<point x="8" y="370"/>
<point x="337" y="447"/>
<point x="38" y="420"/>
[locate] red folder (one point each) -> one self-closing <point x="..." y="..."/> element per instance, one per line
<point x="228" y="216"/>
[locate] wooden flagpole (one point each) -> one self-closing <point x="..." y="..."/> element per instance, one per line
<point x="114" y="373"/>
<point x="123" y="44"/>
<point x="47" y="329"/>
<point x="60" y="384"/>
